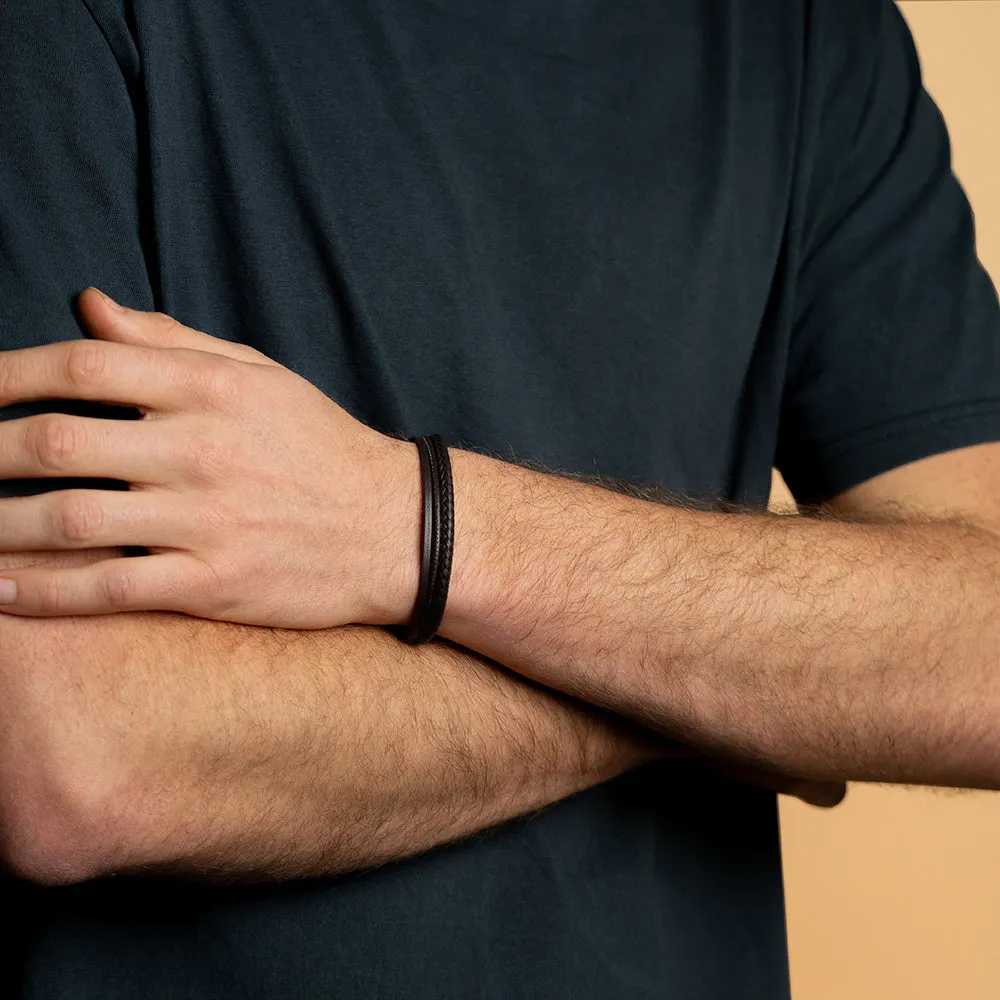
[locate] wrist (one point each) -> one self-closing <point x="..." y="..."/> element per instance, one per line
<point x="401" y="519"/>
<point x="489" y="552"/>
<point x="395" y="521"/>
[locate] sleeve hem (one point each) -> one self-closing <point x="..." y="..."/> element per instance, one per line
<point x="837" y="467"/>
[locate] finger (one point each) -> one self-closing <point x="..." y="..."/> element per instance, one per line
<point x="111" y="320"/>
<point x="51" y="558"/>
<point x="167" y="379"/>
<point x="89" y="519"/>
<point x="824" y="794"/>
<point x="60" y="444"/>
<point x="162" y="582"/>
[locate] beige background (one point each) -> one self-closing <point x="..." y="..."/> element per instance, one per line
<point x="896" y="893"/>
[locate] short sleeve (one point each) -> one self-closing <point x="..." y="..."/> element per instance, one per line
<point x="895" y="348"/>
<point x="70" y="213"/>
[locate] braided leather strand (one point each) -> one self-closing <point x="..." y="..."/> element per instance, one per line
<point x="438" y="539"/>
<point x="441" y="578"/>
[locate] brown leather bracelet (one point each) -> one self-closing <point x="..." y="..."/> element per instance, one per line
<point x="438" y="539"/>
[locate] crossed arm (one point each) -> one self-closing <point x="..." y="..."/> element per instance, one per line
<point x="237" y="751"/>
<point x="275" y="753"/>
<point x="138" y="741"/>
<point x="833" y="649"/>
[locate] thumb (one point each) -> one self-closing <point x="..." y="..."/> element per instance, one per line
<point x="108" y="320"/>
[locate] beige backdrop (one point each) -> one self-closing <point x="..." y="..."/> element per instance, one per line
<point x="895" y="895"/>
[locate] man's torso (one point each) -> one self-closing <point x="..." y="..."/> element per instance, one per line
<point x="555" y="231"/>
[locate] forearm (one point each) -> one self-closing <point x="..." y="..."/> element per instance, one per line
<point x="420" y="745"/>
<point x="361" y="749"/>
<point x="867" y="651"/>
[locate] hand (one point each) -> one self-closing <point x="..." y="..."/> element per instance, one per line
<point x="823" y="794"/>
<point x="260" y="500"/>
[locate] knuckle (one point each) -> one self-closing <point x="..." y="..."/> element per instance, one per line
<point x="217" y="521"/>
<point x="217" y="580"/>
<point x="79" y="518"/>
<point x="50" y="600"/>
<point x="9" y="379"/>
<point x="54" y="441"/>
<point x="165" y="323"/>
<point x="120" y="587"/>
<point x="86" y="361"/>
<point x="211" y="460"/>
<point x="222" y="382"/>
<point x="223" y="573"/>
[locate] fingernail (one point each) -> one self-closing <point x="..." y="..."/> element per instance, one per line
<point x="8" y="591"/>
<point x="111" y="302"/>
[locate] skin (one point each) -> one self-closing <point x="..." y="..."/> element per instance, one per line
<point x="767" y="664"/>
<point x="248" y="513"/>
<point x="863" y="649"/>
<point x="160" y="743"/>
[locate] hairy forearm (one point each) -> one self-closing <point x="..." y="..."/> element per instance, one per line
<point x="827" y="648"/>
<point x="383" y="750"/>
<point x="180" y="745"/>
<point x="273" y="753"/>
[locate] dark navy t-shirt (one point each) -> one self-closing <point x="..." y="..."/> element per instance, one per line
<point x="673" y="243"/>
